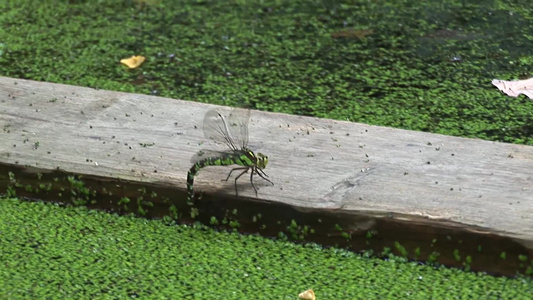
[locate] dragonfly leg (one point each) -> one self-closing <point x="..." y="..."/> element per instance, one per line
<point x="252" y="180"/>
<point x="238" y="176"/>
<point x="255" y="170"/>
<point x="263" y="175"/>
<point x="244" y="168"/>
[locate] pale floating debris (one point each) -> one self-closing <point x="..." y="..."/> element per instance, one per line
<point x="307" y="295"/>
<point x="516" y="87"/>
<point x="133" y="62"/>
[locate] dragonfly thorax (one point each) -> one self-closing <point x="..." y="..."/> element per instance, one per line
<point x="258" y="160"/>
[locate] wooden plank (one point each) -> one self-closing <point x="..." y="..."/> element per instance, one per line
<point x="315" y="163"/>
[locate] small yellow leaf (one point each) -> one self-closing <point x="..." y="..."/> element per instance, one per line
<point x="133" y="62"/>
<point x="307" y="295"/>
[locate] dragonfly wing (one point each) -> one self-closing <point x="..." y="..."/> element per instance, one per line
<point x="238" y="120"/>
<point x="228" y="126"/>
<point x="215" y="128"/>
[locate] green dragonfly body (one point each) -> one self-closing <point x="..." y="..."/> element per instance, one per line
<point x="232" y="130"/>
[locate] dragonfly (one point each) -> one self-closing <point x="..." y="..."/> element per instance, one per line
<point x="229" y="127"/>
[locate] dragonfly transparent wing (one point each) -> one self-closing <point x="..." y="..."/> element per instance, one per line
<point x="238" y="120"/>
<point x="228" y="126"/>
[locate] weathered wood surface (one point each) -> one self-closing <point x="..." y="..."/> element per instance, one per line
<point x="314" y="163"/>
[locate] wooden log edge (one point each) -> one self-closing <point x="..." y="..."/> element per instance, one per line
<point x="416" y="238"/>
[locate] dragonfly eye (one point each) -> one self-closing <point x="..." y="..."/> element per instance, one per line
<point x="262" y="160"/>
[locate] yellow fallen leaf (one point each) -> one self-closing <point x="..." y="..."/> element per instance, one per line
<point x="307" y="295"/>
<point x="133" y="62"/>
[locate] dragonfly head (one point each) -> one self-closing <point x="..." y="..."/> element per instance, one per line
<point x="262" y="160"/>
